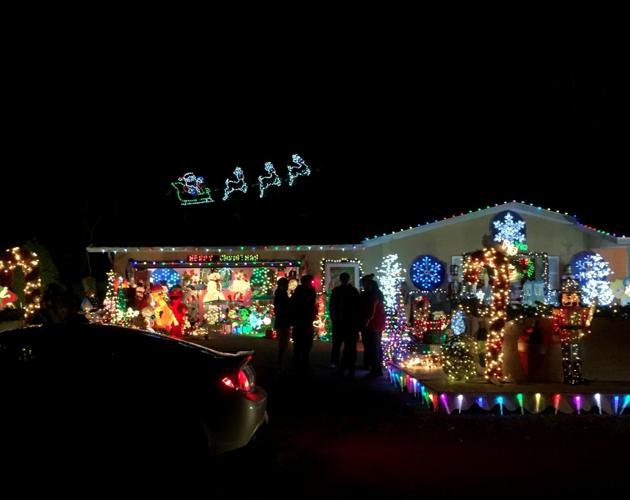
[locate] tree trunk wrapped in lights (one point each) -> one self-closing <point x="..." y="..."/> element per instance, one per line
<point x="498" y="267"/>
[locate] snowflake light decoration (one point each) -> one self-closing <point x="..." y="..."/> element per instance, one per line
<point x="427" y="272"/>
<point x="169" y="275"/>
<point x="508" y="226"/>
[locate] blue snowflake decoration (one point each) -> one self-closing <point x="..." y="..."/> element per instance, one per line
<point x="427" y="273"/>
<point x="458" y="322"/>
<point x="170" y="276"/>
<point x="508" y="226"/>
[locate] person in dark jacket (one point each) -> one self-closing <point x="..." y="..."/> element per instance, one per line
<point x="344" y="314"/>
<point x="282" y="322"/>
<point x="303" y="310"/>
<point x="373" y="330"/>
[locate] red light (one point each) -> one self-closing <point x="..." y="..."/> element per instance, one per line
<point x="243" y="381"/>
<point x="228" y="383"/>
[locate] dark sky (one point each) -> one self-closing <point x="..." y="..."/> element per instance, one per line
<point x="397" y="132"/>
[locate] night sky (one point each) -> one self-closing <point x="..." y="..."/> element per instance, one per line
<point x="397" y="134"/>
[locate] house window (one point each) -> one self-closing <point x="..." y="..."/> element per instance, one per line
<point x="554" y="272"/>
<point x="457" y="260"/>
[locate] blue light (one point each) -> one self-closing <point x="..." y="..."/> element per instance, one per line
<point x="169" y="275"/>
<point x="427" y="272"/>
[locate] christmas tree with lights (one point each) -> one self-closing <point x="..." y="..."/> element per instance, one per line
<point x="396" y="341"/>
<point x="110" y="304"/>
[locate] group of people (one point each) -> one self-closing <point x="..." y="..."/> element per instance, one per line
<point x="352" y="313"/>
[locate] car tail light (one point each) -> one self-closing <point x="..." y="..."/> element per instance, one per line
<point x="244" y="380"/>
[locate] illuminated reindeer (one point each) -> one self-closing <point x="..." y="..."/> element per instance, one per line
<point x="271" y="179"/>
<point x="301" y="169"/>
<point x="239" y="184"/>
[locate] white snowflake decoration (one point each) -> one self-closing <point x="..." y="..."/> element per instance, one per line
<point x="509" y="229"/>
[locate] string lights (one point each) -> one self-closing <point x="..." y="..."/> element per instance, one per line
<point x="592" y="272"/>
<point x="271" y="179"/>
<point x="191" y="189"/>
<point x="498" y="267"/>
<point x="232" y="185"/>
<point x="28" y="262"/>
<point x="573" y="218"/>
<point x="300" y="169"/>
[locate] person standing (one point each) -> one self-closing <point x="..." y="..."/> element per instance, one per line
<point x="344" y="314"/>
<point x="303" y="310"/>
<point x="374" y="327"/>
<point x="282" y="321"/>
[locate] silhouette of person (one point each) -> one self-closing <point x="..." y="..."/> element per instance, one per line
<point x="344" y="314"/>
<point x="303" y="312"/>
<point x="373" y="329"/>
<point x="56" y="308"/>
<point x="282" y="321"/>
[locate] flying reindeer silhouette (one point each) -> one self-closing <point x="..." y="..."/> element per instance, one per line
<point x="301" y="169"/>
<point x="271" y="179"/>
<point x="239" y="184"/>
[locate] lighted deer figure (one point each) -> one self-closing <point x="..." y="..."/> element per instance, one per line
<point x="301" y="169"/>
<point x="235" y="185"/>
<point x="498" y="265"/>
<point x="271" y="179"/>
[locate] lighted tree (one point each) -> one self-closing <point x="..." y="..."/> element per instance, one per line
<point x="260" y="281"/>
<point x="592" y="272"/>
<point x="110" y="304"/>
<point x="457" y="362"/>
<point x="396" y="342"/>
<point x="390" y="277"/>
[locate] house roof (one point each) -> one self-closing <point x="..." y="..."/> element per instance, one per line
<point x="522" y="207"/>
<point x="229" y="249"/>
